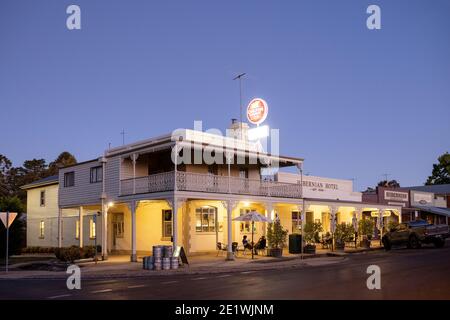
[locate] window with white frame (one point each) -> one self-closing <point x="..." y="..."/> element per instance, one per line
<point x="42" y="229"/>
<point x="296" y="221"/>
<point x="167" y="223"/>
<point x="92" y="229"/>
<point x="205" y="219"/>
<point x="118" y="225"/>
<point x="246" y="226"/>
<point x="42" y="198"/>
<point x="77" y="229"/>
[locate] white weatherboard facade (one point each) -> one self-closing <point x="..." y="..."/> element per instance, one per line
<point x="142" y="199"/>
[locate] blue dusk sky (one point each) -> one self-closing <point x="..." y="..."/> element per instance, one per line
<point x="355" y="103"/>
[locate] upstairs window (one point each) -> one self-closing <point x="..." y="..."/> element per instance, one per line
<point x="96" y="174"/>
<point x="42" y="198"/>
<point x="69" y="179"/>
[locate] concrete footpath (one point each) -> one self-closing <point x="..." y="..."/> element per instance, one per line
<point x="120" y="267"/>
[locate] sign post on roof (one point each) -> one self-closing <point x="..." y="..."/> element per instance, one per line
<point x="257" y="111"/>
<point x="7" y="219"/>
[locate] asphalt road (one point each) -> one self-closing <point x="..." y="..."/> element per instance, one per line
<point x="405" y="274"/>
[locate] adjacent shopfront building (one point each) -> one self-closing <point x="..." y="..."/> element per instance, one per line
<point x="415" y="204"/>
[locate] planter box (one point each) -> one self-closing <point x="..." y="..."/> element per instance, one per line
<point x="309" y="249"/>
<point x="365" y="244"/>
<point x="275" y="252"/>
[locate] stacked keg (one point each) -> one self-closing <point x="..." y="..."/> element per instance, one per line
<point x="157" y="257"/>
<point x="162" y="259"/>
<point x="148" y="263"/>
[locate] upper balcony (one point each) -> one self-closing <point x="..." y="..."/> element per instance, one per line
<point x="199" y="182"/>
<point x="205" y="163"/>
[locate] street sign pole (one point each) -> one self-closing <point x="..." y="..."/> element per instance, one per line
<point x="7" y="240"/>
<point x="7" y="218"/>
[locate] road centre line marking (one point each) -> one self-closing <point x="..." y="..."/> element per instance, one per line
<point x="168" y="282"/>
<point x="224" y="275"/>
<point x="59" y="296"/>
<point x="137" y="286"/>
<point x="101" y="291"/>
<point x="198" y="279"/>
<point x="245" y="272"/>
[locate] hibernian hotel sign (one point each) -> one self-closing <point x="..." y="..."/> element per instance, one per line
<point x="320" y="186"/>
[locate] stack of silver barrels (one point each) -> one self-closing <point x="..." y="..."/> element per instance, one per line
<point x="162" y="259"/>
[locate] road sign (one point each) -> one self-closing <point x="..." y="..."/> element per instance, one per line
<point x="7" y="219"/>
<point x="179" y="252"/>
<point x="12" y="216"/>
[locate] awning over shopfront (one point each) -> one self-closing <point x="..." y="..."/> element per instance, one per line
<point x="435" y="210"/>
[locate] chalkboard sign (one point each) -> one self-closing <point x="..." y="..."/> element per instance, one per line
<point x="179" y="252"/>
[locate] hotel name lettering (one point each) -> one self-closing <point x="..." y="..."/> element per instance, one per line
<point x="320" y="185"/>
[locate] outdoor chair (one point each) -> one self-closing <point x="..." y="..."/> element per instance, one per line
<point x="234" y="248"/>
<point x="326" y="242"/>
<point x="262" y="250"/>
<point x="220" y="248"/>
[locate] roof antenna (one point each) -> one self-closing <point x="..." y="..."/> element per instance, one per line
<point x="240" y="100"/>
<point x="123" y="136"/>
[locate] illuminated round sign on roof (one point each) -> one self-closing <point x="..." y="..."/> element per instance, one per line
<point x="257" y="111"/>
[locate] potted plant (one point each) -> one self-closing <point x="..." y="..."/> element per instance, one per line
<point x="311" y="235"/>
<point x="344" y="233"/>
<point x="365" y="229"/>
<point x="276" y="236"/>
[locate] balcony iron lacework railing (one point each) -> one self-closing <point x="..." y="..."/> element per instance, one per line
<point x="188" y="181"/>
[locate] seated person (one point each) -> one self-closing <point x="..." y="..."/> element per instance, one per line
<point x="246" y="244"/>
<point x="261" y="244"/>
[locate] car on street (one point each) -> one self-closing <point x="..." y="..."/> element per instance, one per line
<point x="415" y="233"/>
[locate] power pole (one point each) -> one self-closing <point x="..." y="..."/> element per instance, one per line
<point x="240" y="99"/>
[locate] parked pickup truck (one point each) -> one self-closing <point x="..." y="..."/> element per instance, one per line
<point x="414" y="233"/>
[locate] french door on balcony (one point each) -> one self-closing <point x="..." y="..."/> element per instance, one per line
<point x="212" y="180"/>
<point x="243" y="175"/>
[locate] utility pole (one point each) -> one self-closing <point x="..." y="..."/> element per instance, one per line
<point x="240" y="99"/>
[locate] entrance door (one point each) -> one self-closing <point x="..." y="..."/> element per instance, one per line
<point x="117" y="230"/>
